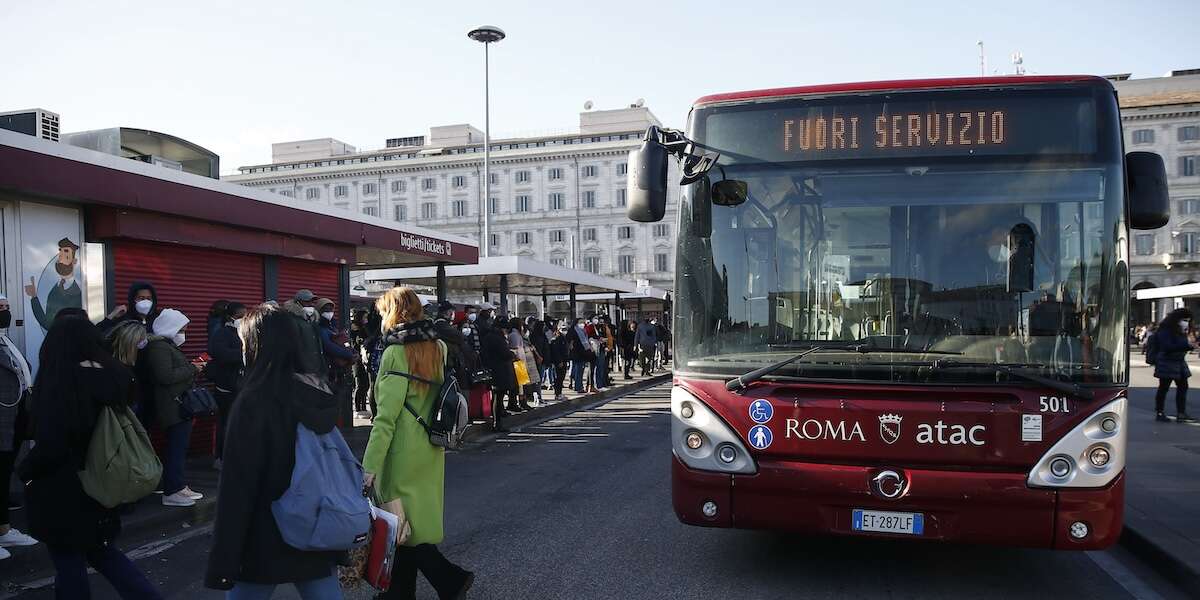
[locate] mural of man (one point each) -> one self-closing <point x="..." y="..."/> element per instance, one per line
<point x="65" y="293"/>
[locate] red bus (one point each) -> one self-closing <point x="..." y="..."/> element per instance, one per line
<point x="901" y="308"/>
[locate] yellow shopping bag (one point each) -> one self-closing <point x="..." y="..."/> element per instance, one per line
<point x="522" y="373"/>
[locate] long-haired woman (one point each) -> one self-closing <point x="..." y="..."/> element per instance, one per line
<point x="400" y="462"/>
<point x="77" y="377"/>
<point x="249" y="557"/>
<point x="1171" y="346"/>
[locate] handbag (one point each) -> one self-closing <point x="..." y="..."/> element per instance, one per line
<point x="372" y="562"/>
<point x="521" y="372"/>
<point x="196" y="402"/>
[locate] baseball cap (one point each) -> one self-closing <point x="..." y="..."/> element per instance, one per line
<point x="305" y="295"/>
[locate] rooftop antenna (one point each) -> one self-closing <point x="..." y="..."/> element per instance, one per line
<point x="1018" y="62"/>
<point x="982" y="60"/>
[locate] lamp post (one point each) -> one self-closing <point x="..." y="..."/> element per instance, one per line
<point x="486" y="34"/>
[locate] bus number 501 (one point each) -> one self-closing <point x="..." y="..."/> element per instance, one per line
<point x="1055" y="404"/>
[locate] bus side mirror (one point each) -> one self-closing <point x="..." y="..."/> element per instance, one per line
<point x="1149" y="204"/>
<point x="701" y="206"/>
<point x="647" y="182"/>
<point x="729" y="192"/>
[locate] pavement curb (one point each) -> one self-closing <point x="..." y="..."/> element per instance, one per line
<point x="1159" y="558"/>
<point x="483" y="435"/>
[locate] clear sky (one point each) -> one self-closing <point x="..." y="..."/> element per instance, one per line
<point x="234" y="76"/>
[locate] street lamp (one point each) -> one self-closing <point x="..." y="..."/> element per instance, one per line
<point x="486" y="34"/>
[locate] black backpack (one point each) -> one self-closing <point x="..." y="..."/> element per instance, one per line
<point x="1152" y="349"/>
<point x="448" y="419"/>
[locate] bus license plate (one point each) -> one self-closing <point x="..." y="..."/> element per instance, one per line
<point x="888" y="522"/>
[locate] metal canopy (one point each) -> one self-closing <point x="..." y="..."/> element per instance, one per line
<point x="526" y="277"/>
<point x="1186" y="290"/>
<point x="646" y="294"/>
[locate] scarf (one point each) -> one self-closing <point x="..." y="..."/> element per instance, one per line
<point x="583" y="338"/>
<point x="14" y="355"/>
<point x="408" y="333"/>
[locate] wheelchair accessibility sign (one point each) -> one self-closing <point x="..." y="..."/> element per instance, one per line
<point x="761" y="411"/>
<point x="760" y="437"/>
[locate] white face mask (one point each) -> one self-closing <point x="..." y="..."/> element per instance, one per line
<point x="237" y="323"/>
<point x="328" y="316"/>
<point x="1183" y="326"/>
<point x="143" y="306"/>
<point x="309" y="311"/>
<point x="471" y="317"/>
<point x="179" y="338"/>
<point x="999" y="253"/>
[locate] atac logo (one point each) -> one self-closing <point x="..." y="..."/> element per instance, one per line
<point x="889" y="428"/>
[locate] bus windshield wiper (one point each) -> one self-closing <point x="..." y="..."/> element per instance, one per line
<point x="744" y="381"/>
<point x="1011" y="370"/>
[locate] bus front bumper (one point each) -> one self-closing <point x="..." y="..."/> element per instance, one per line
<point x="957" y="506"/>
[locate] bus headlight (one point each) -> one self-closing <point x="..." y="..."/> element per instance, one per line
<point x="1090" y="456"/>
<point x="701" y="438"/>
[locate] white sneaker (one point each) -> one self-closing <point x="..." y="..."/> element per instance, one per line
<point x="4" y="554"/>
<point x="178" y="499"/>
<point x="14" y="537"/>
<point x="189" y="492"/>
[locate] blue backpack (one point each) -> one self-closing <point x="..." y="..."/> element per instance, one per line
<point x="324" y="508"/>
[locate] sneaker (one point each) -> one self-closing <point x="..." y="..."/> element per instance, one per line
<point x="4" y="554"/>
<point x="14" y="537"/>
<point x="1183" y="418"/>
<point x="1160" y="417"/>
<point x="189" y="492"/>
<point x="178" y="499"/>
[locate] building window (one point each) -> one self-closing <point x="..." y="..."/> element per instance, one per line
<point x="522" y="177"/>
<point x="624" y="232"/>
<point x="522" y="204"/>
<point x="1189" y="133"/>
<point x="1144" y="243"/>
<point x="313" y="193"/>
<point x="523" y="238"/>
<point x="589" y="199"/>
<point x="493" y="179"/>
<point x="660" y="262"/>
<point x="661" y="230"/>
<point x="622" y="197"/>
<point x="1189" y="206"/>
<point x="372" y="211"/>
<point x="400" y="212"/>
<point x="369" y="189"/>
<point x="558" y="261"/>
<point x="558" y="201"/>
<point x="1143" y="136"/>
<point x="1187" y="242"/>
<point x="288" y="193"/>
<point x="625" y="264"/>
<point x="1187" y="166"/>
<point x="591" y="264"/>
<point x="589" y="234"/>
<point x="554" y="174"/>
<point x="341" y="191"/>
<point x="399" y="187"/>
<point x="493" y="206"/>
<point x="590" y="170"/>
<point x="459" y="181"/>
<point x="622" y="168"/>
<point x="428" y="184"/>
<point x="494" y="240"/>
<point x="428" y="211"/>
<point x="459" y="208"/>
<point x="557" y="236"/>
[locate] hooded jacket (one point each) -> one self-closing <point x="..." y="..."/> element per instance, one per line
<point x="260" y="453"/>
<point x="131" y="313"/>
<point x="312" y="355"/>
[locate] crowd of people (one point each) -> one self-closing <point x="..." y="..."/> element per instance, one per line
<point x="1166" y="346"/>
<point x="271" y="368"/>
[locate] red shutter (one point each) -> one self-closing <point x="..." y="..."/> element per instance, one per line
<point x="189" y="280"/>
<point x="321" y="278"/>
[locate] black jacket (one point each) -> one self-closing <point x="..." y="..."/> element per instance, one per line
<point x="225" y="348"/>
<point x="131" y="313"/>
<point x="559" y="352"/>
<point x="260" y="452"/>
<point x="497" y="357"/>
<point x="456" y="350"/>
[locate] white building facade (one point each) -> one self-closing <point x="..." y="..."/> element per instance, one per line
<point x="557" y="199"/>
<point x="1162" y="115"/>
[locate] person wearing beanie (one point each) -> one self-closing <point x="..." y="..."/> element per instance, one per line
<point x="167" y="374"/>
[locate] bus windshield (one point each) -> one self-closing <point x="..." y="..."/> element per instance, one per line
<point x="1008" y="249"/>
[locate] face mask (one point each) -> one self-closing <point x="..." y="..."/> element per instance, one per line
<point x="179" y="339"/>
<point x="237" y="323"/>
<point x="143" y="306"/>
<point x="594" y="321"/>
<point x="999" y="253"/>
<point x="471" y="317"/>
<point x="328" y="316"/>
<point x="5" y="318"/>
<point x="1183" y="326"/>
<point x="142" y="344"/>
<point x="309" y="311"/>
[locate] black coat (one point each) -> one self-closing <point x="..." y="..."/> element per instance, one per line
<point x="225" y="348"/>
<point x="60" y="514"/>
<point x="260" y="452"/>
<point x="497" y="357"/>
<point x="559" y="353"/>
<point x="1171" y="360"/>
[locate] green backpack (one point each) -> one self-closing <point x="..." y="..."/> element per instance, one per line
<point x="121" y="466"/>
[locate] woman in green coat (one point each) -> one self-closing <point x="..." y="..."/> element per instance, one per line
<point x="167" y="374"/>
<point x="400" y="462"/>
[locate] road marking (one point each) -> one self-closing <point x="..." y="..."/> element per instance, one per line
<point x="1123" y="576"/>
<point x="145" y="551"/>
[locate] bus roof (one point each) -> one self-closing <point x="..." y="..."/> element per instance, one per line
<point x="899" y="84"/>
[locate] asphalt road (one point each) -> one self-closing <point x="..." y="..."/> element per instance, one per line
<point x="579" y="507"/>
